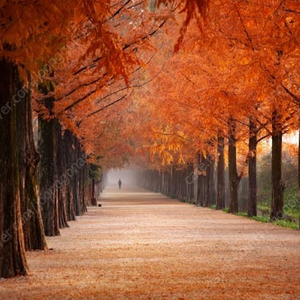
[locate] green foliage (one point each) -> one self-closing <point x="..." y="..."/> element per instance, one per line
<point x="241" y="214"/>
<point x="291" y="206"/>
<point x="261" y="219"/>
<point x="95" y="171"/>
<point x="286" y="224"/>
<point x="264" y="193"/>
<point x="213" y="206"/>
<point x="266" y="219"/>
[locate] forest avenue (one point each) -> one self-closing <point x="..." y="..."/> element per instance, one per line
<point x="142" y="245"/>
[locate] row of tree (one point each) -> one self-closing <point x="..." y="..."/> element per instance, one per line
<point x="43" y="189"/>
<point x="235" y="87"/>
<point x="67" y="62"/>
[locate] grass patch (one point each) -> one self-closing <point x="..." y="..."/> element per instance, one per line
<point x="241" y="214"/>
<point x="282" y="223"/>
<point x="264" y="219"/>
<point x="286" y="224"/>
<point x="214" y="206"/>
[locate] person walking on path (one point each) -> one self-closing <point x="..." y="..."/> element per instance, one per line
<point x="120" y="183"/>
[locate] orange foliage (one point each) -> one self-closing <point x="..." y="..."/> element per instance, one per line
<point x="121" y="90"/>
<point x="241" y="66"/>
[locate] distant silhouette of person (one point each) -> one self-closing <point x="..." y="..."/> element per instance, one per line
<point x="120" y="183"/>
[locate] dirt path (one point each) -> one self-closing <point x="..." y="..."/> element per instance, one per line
<point x="141" y="245"/>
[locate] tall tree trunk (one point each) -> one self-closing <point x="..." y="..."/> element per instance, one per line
<point x="48" y="173"/>
<point x="190" y="181"/>
<point x="233" y="175"/>
<point x="68" y="142"/>
<point x="202" y="189"/>
<point x="221" y="174"/>
<point x="61" y="152"/>
<point x="12" y="246"/>
<point x="210" y="181"/>
<point x="76" y="178"/>
<point x="201" y="182"/>
<point x="252" y="193"/>
<point x="33" y="228"/>
<point x="93" y="189"/>
<point x="278" y="185"/>
<point x="207" y="184"/>
<point x="84" y="185"/>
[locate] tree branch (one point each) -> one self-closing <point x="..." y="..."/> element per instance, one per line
<point x="106" y="106"/>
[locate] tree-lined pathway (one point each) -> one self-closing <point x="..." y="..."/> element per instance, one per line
<point x="142" y="245"/>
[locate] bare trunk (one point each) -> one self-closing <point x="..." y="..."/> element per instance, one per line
<point x="278" y="185"/>
<point x="70" y="209"/>
<point x="252" y="194"/>
<point x="233" y="175"/>
<point x="33" y="228"/>
<point x="75" y="179"/>
<point x="221" y="174"/>
<point x="190" y="181"/>
<point x="92" y="191"/>
<point x="61" y="153"/>
<point x="12" y="246"/>
<point x="200" y="179"/>
<point x="48" y="173"/>
<point x="210" y="174"/>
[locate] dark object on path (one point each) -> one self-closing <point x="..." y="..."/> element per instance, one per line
<point x="99" y="205"/>
<point x="120" y="183"/>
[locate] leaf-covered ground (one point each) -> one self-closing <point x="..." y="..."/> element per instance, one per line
<point x="141" y="245"/>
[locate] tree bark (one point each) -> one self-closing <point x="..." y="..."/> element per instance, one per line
<point x="233" y="175"/>
<point x="76" y="178"/>
<point x="210" y="181"/>
<point x="84" y="186"/>
<point x="48" y="173"/>
<point x="61" y="153"/>
<point x="190" y="181"/>
<point x="12" y="246"/>
<point x="68" y="140"/>
<point x="33" y="228"/>
<point x="278" y="185"/>
<point x="221" y="174"/>
<point x="252" y="193"/>
<point x="200" y="180"/>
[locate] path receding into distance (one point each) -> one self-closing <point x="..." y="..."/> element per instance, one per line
<point x="142" y="245"/>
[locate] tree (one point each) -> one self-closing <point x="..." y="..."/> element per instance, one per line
<point x="12" y="248"/>
<point x="234" y="178"/>
<point x="220" y="173"/>
<point x="28" y="164"/>
<point x="252" y="197"/>
<point x="278" y="185"/>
